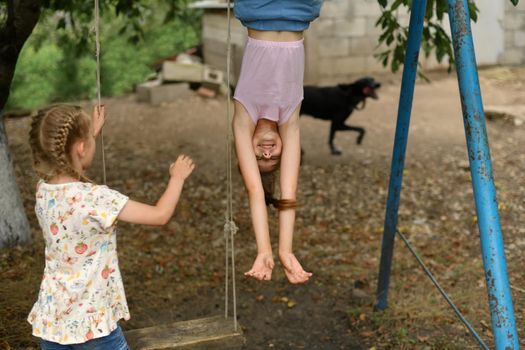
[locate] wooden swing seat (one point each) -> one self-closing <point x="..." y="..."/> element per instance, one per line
<point x="205" y="333"/>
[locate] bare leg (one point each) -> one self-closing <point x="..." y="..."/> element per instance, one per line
<point x="290" y="161"/>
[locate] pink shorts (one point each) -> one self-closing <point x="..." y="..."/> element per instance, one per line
<point x="271" y="82"/>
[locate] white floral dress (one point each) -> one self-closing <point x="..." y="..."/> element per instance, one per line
<point x="81" y="296"/>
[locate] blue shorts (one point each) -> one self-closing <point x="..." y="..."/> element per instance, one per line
<point x="287" y="15"/>
<point x="113" y="341"/>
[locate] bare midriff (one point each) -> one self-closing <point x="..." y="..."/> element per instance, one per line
<point x="270" y="35"/>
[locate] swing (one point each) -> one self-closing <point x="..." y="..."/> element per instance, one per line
<point x="218" y="332"/>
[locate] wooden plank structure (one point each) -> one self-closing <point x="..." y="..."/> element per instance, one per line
<point x="200" y="334"/>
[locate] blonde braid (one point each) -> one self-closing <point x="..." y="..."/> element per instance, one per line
<point x="53" y="131"/>
<point x="268" y="182"/>
<point x="60" y="151"/>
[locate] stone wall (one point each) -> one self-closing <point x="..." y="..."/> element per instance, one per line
<point x="514" y="27"/>
<point x="340" y="44"/>
<point x="214" y="38"/>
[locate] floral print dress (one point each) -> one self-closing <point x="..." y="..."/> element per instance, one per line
<point x="81" y="296"/>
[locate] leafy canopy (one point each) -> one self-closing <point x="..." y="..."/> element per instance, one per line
<point x="394" y="35"/>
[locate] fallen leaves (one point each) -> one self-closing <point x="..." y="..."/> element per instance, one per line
<point x="367" y="334"/>
<point x="338" y="233"/>
<point x="290" y="303"/>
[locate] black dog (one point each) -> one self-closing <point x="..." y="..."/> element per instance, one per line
<point x="336" y="103"/>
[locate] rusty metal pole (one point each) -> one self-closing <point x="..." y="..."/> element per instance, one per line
<point x="415" y="32"/>
<point x="499" y="295"/>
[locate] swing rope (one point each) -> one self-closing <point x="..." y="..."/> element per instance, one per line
<point x="230" y="228"/>
<point x="99" y="103"/>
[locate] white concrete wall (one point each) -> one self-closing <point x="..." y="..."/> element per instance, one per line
<point x="341" y="43"/>
<point x="488" y="31"/>
<point x="514" y="25"/>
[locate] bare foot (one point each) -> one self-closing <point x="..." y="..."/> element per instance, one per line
<point x="262" y="267"/>
<point x="293" y="269"/>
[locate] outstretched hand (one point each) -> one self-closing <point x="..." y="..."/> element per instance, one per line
<point x="293" y="269"/>
<point x="182" y="168"/>
<point x="99" y="118"/>
<point x="262" y="267"/>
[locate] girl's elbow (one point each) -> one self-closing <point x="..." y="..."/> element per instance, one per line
<point x="167" y="217"/>
<point x="162" y="219"/>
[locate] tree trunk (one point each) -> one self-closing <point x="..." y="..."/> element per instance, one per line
<point x="14" y="227"/>
<point x="22" y="16"/>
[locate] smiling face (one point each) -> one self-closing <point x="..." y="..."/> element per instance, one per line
<point x="267" y="145"/>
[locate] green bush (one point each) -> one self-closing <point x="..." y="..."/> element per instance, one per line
<point x="37" y="74"/>
<point x="51" y="70"/>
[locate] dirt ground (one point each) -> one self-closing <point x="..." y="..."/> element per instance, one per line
<point x="177" y="272"/>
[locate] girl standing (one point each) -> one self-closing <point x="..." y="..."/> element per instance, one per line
<point x="81" y="296"/>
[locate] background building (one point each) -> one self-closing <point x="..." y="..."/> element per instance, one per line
<point x="341" y="43"/>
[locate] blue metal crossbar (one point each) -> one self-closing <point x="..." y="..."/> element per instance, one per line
<point x="500" y="300"/>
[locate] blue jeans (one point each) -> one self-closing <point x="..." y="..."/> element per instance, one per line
<point x="113" y="341"/>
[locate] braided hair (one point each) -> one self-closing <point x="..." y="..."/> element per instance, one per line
<point x="268" y="182"/>
<point x="53" y="132"/>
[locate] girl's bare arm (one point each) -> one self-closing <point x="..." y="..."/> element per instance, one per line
<point x="160" y="213"/>
<point x="243" y="129"/>
<point x="290" y="162"/>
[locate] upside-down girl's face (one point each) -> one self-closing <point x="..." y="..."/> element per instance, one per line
<point x="267" y="145"/>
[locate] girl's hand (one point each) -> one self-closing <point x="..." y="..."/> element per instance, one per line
<point x="160" y="213"/>
<point x="182" y="168"/>
<point x="99" y="118"/>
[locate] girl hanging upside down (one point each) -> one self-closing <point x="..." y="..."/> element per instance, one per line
<point x="266" y="121"/>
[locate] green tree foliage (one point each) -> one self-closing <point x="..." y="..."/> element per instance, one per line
<point x="394" y="35"/>
<point x="137" y="32"/>
<point x="58" y="61"/>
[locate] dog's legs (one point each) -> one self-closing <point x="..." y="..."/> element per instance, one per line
<point x="343" y="127"/>
<point x="361" y="135"/>
<point x="335" y="151"/>
<point x="361" y="131"/>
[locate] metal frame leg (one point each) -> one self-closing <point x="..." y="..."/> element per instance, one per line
<point x="415" y="33"/>
<point x="499" y="295"/>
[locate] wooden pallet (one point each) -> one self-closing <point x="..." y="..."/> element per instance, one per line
<point x="205" y="333"/>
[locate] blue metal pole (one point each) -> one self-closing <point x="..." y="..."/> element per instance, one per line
<point x="499" y="295"/>
<point x="415" y="32"/>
